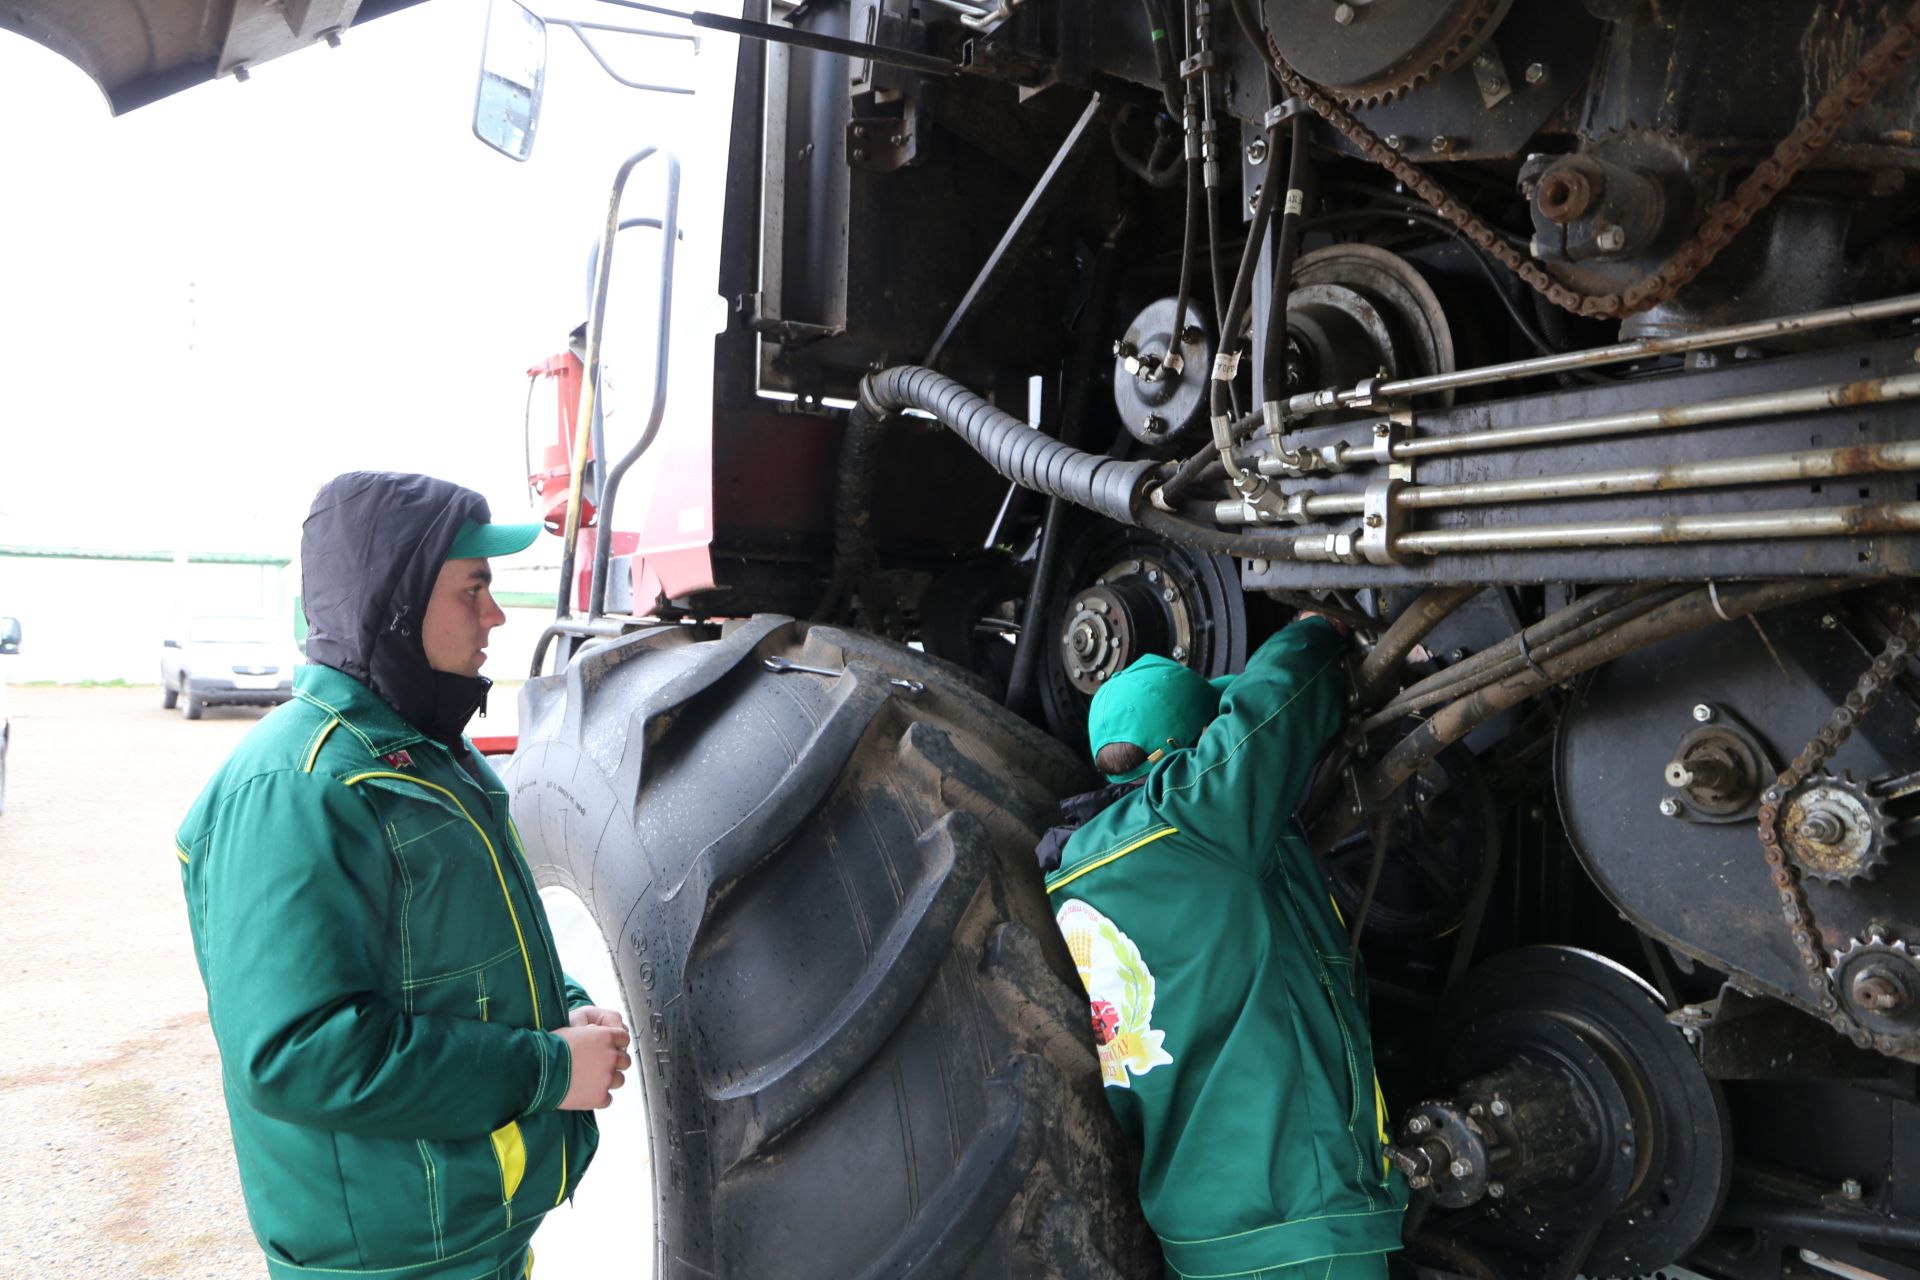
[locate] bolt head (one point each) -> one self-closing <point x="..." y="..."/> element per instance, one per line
<point x="1343" y="14"/>
<point x="1419" y="1125"/>
<point x="1460" y="1169"/>
<point x="1702" y="712"/>
<point x="1373" y="521"/>
<point x="1851" y="1189"/>
<point x="1497" y="1190"/>
<point x="1419" y="1182"/>
<point x="1611" y="239"/>
<point x="1381" y="429"/>
<point x="1179" y="653"/>
<point x="1122" y="348"/>
<point x="859" y="153"/>
<point x="1394" y="141"/>
<point x="1500" y="1107"/>
<point x="1098" y="676"/>
<point x="1167" y="595"/>
<point x="1828" y="622"/>
<point x="1442" y="143"/>
<point x="1154" y="424"/>
<point x="1253" y="199"/>
<point x="1536" y="72"/>
<point x="1669" y="807"/>
<point x="1257" y="151"/>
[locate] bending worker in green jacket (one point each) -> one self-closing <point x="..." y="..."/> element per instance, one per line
<point x="1231" y="1025"/>
<point x="410" y="1077"/>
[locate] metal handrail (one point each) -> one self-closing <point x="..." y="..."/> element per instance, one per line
<point x="589" y="429"/>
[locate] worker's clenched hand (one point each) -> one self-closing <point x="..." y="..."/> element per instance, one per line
<point x="592" y="1015"/>
<point x="599" y="1061"/>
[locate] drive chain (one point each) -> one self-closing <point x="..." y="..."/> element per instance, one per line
<point x="1723" y="222"/>
<point x="1786" y="879"/>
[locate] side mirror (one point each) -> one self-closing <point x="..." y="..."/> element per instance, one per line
<point x="513" y="71"/>
<point x="9" y="635"/>
<point x="171" y="644"/>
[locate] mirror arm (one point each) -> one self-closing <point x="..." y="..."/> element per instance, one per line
<point x="579" y="30"/>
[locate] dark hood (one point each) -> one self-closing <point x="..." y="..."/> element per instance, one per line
<point x="370" y="552"/>
<point x="1078" y="811"/>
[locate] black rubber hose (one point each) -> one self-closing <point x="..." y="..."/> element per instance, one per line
<point x="1220" y="390"/>
<point x="1456" y="720"/>
<point x="1163" y="166"/>
<point x="1203" y="537"/>
<point x="1183" y="296"/>
<point x="1586" y="618"/>
<point x="1011" y="447"/>
<point x="1274" y="357"/>
<point x="1427" y="611"/>
<point x="1164" y="55"/>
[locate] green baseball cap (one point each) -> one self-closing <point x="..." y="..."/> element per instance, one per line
<point x="1157" y="705"/>
<point x="482" y="541"/>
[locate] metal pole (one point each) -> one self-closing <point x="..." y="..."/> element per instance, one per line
<point x="1859" y="313"/>
<point x="1802" y="522"/>
<point x="1807" y="464"/>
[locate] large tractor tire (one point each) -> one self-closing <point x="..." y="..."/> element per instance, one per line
<point x="863" y="1047"/>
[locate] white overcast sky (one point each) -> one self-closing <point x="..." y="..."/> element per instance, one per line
<point x="212" y="304"/>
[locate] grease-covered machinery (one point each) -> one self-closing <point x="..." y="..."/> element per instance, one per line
<point x="1571" y="349"/>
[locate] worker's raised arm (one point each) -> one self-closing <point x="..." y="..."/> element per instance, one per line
<point x="296" y="886"/>
<point x="1237" y="788"/>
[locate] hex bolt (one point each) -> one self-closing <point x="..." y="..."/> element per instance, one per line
<point x="1460" y="1169"/>
<point x="1343" y="14"/>
<point x="1179" y="653"/>
<point x="1419" y="1125"/>
<point x="1536" y="72"/>
<point x="1394" y="141"/>
<point x="1851" y="1189"/>
<point x="1476" y="1111"/>
<point x="1257" y="151"/>
<point x="859" y="153"/>
<point x="1381" y="429"/>
<point x="1419" y="1182"/>
<point x="1098" y="676"/>
<point x="1702" y="712"/>
<point x="1669" y="806"/>
<point x="1373" y="520"/>
<point x="1154" y="424"/>
<point x="1442" y="143"/>
<point x="1499" y="1108"/>
<point x="1122" y="348"/>
<point x="1253" y="197"/>
<point x="1828" y="622"/>
<point x="1153" y="575"/>
<point x="1610" y="239"/>
<point x="1497" y="1190"/>
<point x="1167" y="595"/>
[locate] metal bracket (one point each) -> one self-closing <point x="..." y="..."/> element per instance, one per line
<point x="1490" y="77"/>
<point x="1286" y="111"/>
<point x="882" y="144"/>
<point x="1366" y="393"/>
<point x="1380" y="521"/>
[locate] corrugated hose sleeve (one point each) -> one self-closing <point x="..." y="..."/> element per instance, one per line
<point x="1029" y="458"/>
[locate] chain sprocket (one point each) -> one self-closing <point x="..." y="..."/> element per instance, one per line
<point x="1723" y="222"/>
<point x="1835" y="829"/>
<point x="1786" y="881"/>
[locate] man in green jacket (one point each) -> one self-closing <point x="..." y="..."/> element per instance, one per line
<point x="409" y="1075"/>
<point x="1231" y="1023"/>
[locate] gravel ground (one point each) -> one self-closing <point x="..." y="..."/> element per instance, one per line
<point x="112" y="1128"/>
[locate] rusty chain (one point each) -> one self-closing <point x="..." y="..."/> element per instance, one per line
<point x="1786" y="881"/>
<point x="1723" y="222"/>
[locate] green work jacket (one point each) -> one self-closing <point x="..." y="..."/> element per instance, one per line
<point x="381" y="983"/>
<point x="1232" y="1027"/>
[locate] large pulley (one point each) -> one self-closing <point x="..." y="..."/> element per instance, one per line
<point x="1124" y="593"/>
<point x="1575" y="1125"/>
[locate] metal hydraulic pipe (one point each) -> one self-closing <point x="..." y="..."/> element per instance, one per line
<point x="1800" y="522"/>
<point x="1309" y="402"/>
<point x="1765" y="404"/>
<point x="1806" y="464"/>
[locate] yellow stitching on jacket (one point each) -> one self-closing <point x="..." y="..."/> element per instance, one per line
<point x="1117" y="854"/>
<point x="319" y="740"/>
<point x="180" y="853"/>
<point x="499" y="872"/>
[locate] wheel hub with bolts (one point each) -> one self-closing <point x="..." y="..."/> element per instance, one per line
<point x="1134" y="608"/>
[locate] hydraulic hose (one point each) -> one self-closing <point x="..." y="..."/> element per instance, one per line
<point x="1292" y="215"/>
<point x="1383" y="661"/>
<point x="1690" y="612"/>
<point x="1011" y="447"/>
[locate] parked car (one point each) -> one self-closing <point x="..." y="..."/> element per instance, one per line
<point x="225" y="661"/>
